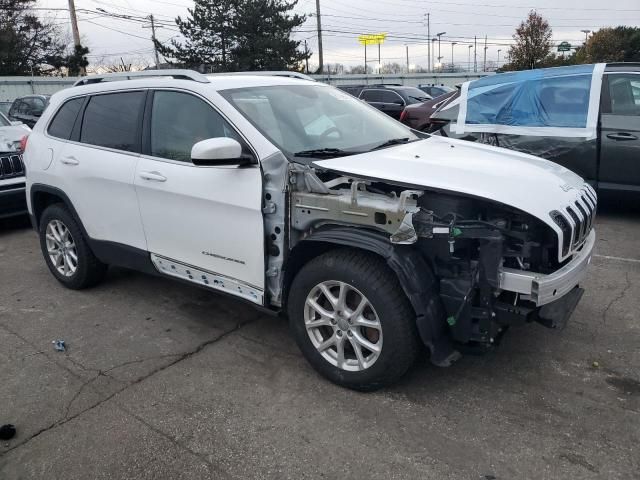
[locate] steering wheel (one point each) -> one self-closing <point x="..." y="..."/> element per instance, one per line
<point x="329" y="131"/>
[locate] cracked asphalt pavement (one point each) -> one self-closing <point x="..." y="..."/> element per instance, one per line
<point x="161" y="380"/>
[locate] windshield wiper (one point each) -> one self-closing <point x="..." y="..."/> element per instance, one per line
<point x="392" y="142"/>
<point x="324" y="153"/>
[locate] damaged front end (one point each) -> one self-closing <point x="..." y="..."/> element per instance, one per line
<point x="454" y="255"/>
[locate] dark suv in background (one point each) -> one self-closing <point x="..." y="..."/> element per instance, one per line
<point x="390" y="99"/>
<point x="436" y="90"/>
<point x="28" y="109"/>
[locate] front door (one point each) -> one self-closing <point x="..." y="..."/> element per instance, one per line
<point x="202" y="224"/>
<point x="620" y="134"/>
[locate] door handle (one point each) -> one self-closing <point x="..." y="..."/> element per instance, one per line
<point x="153" y="176"/>
<point x="69" y="161"/>
<point x="621" y="136"/>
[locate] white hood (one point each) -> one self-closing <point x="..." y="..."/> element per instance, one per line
<point x="528" y="183"/>
<point x="10" y="135"/>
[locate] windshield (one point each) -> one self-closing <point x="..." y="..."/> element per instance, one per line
<point x="4" y="121"/>
<point x="415" y="95"/>
<point x="307" y="118"/>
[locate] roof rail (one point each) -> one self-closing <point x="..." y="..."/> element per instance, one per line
<point x="270" y="73"/>
<point x="111" y="77"/>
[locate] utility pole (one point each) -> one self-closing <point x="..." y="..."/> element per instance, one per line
<point x="484" y="65"/>
<point x="153" y="37"/>
<point x="407" y="47"/>
<point x="499" y="50"/>
<point x="306" y="53"/>
<point x="365" y="58"/>
<point x="429" y="42"/>
<point x="74" y="29"/>
<point x="379" y="61"/>
<point x="469" y="58"/>
<point x="320" y="57"/>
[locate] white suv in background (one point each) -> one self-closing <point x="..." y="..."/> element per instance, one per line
<point x="296" y="197"/>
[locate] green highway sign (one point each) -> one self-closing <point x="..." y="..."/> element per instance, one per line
<point x="564" y="47"/>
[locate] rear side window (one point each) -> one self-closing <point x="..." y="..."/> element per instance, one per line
<point x="390" y="97"/>
<point x="113" y="120"/>
<point x="62" y="123"/>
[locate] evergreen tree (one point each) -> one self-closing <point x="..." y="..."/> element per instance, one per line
<point x="26" y="42"/>
<point x="263" y="36"/>
<point x="226" y="35"/>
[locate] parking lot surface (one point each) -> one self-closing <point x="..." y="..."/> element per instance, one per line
<point x="161" y="380"/>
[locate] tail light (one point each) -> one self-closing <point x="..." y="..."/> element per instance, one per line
<point x="23" y="143"/>
<point x="403" y="115"/>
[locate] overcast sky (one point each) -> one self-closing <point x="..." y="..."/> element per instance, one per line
<point x="343" y="20"/>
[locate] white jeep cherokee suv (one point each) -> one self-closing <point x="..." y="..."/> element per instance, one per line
<point x="297" y="197"/>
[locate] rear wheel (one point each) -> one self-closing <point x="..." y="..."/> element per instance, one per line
<point x="352" y="320"/>
<point x="66" y="251"/>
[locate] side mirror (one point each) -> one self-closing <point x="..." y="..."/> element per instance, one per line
<point x="37" y="113"/>
<point x="218" y="151"/>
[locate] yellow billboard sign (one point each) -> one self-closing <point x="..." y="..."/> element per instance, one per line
<point x="372" y="38"/>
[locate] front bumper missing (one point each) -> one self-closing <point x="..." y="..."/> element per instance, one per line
<point x="542" y="289"/>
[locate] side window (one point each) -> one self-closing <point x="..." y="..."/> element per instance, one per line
<point x="371" y="96"/>
<point x="624" y="94"/>
<point x="62" y="124"/>
<point x="390" y="97"/>
<point x="37" y="106"/>
<point x="179" y="121"/>
<point x="20" y="107"/>
<point x="112" y="120"/>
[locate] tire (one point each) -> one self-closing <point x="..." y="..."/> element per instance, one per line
<point x="59" y="232"/>
<point x="361" y="275"/>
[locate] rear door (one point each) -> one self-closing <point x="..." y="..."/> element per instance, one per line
<point x="202" y="224"/>
<point x="97" y="166"/>
<point x="620" y="132"/>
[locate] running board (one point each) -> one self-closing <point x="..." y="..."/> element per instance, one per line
<point x="214" y="281"/>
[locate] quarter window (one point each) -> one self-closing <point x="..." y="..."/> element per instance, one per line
<point x="179" y="121"/>
<point x="112" y="121"/>
<point x="62" y="123"/>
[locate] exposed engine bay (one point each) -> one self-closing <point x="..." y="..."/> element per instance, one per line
<point x="464" y="241"/>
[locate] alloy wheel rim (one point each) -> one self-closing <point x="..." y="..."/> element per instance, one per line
<point x="343" y="326"/>
<point x="61" y="248"/>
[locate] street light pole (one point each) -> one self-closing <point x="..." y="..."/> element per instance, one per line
<point x="469" y="58"/>
<point x="452" y="44"/>
<point x="439" y="35"/>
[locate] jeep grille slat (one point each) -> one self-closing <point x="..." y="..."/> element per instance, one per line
<point x="11" y="166"/>
<point x="576" y="220"/>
